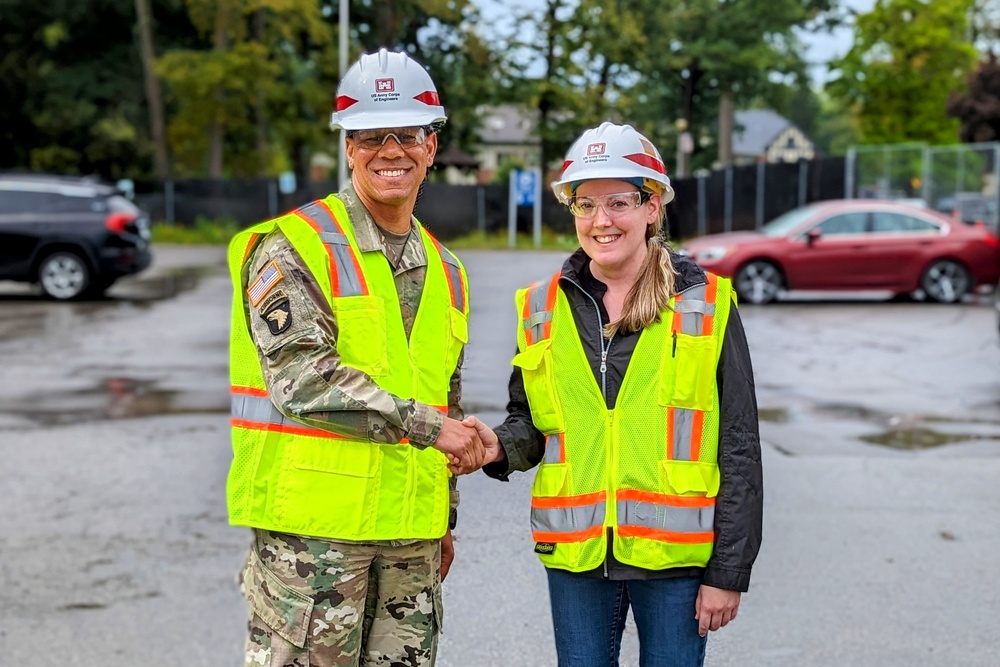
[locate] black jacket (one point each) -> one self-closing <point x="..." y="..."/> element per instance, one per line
<point x="739" y="506"/>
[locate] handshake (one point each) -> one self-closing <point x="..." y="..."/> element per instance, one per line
<point x="469" y="445"/>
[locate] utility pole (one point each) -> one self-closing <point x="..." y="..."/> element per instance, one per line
<point x="342" y="155"/>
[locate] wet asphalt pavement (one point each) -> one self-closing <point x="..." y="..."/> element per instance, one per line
<point x="881" y="429"/>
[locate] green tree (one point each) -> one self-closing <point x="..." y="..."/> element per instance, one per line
<point x="978" y="110"/>
<point x="908" y="57"/>
<point x="263" y="68"/>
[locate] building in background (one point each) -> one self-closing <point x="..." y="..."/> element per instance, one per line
<point x="762" y="135"/>
<point x="507" y="136"/>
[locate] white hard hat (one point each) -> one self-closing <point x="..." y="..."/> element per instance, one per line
<point x="383" y="90"/>
<point x="617" y="152"/>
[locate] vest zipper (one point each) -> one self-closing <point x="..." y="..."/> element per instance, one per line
<point x="605" y="348"/>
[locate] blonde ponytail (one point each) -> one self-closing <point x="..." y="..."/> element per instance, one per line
<point x="651" y="292"/>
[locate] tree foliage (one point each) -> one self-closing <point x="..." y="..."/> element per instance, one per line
<point x="248" y="84"/>
<point x="978" y="110"/>
<point x="908" y="57"/>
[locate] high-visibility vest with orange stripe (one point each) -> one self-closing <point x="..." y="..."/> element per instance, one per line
<point x="292" y="477"/>
<point x="648" y="469"/>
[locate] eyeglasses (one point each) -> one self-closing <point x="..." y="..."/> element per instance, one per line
<point x="406" y="137"/>
<point x="614" y="205"/>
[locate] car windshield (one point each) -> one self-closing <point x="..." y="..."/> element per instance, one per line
<point x="785" y="222"/>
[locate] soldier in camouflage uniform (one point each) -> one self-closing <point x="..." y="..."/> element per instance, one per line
<point x="345" y="603"/>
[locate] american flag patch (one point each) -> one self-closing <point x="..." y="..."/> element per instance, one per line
<point x="269" y="277"/>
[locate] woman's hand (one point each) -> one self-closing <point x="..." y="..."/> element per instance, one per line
<point x="715" y="607"/>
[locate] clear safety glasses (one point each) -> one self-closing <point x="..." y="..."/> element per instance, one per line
<point x="614" y="205"/>
<point x="372" y="140"/>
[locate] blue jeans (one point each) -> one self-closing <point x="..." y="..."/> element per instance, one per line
<point x="588" y="617"/>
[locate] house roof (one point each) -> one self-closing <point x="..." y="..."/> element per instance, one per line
<point x="455" y="157"/>
<point x="756" y="129"/>
<point x="507" y="124"/>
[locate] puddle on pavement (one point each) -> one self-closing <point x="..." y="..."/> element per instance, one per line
<point x="39" y="317"/>
<point x="163" y="285"/>
<point x="116" y="398"/>
<point x="910" y="432"/>
<point x="921" y="438"/>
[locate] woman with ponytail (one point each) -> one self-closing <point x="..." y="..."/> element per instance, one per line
<point x="632" y="392"/>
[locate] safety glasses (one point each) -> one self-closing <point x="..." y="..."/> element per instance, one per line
<point x="372" y="140"/>
<point x="614" y="205"/>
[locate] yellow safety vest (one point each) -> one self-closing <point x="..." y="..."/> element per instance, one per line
<point x="293" y="477"/>
<point x="648" y="469"/>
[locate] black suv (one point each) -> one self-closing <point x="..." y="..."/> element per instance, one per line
<point x="72" y="236"/>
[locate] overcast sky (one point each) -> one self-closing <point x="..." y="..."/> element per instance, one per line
<point x="820" y="48"/>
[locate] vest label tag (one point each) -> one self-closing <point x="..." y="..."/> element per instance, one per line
<point x="544" y="547"/>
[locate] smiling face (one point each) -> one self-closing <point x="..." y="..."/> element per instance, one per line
<point x="616" y="245"/>
<point x="388" y="178"/>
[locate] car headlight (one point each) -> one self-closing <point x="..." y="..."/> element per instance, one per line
<point x="710" y="254"/>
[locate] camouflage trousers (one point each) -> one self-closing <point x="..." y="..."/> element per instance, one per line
<point x="319" y="603"/>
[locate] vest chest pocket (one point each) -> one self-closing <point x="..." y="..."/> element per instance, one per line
<point x="535" y="363"/>
<point x="459" y="328"/>
<point x="687" y="379"/>
<point x="361" y="335"/>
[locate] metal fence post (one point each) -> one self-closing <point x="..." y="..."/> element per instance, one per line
<point x="481" y="208"/>
<point x="803" y="181"/>
<point x="272" y="198"/>
<point x="168" y="201"/>
<point x="849" y="167"/>
<point x="925" y="183"/>
<point x="729" y="199"/>
<point x="759" y="220"/>
<point x="702" y="207"/>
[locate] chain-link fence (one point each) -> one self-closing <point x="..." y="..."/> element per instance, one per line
<point x="959" y="180"/>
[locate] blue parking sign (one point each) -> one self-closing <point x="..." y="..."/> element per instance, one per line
<point x="524" y="187"/>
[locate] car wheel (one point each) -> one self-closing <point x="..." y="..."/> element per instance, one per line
<point x="758" y="282"/>
<point x="63" y="275"/>
<point x="945" y="281"/>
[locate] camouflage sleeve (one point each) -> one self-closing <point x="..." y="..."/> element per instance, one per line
<point x="455" y="411"/>
<point x="296" y="336"/>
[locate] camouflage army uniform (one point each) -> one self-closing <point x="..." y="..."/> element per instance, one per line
<point x="322" y="602"/>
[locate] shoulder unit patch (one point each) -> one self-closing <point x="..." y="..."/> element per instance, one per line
<point x="278" y="316"/>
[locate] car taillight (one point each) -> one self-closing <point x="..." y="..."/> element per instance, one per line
<point x="116" y="222"/>
<point x="991" y="241"/>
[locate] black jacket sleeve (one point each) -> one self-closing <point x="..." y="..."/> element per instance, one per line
<point x="739" y="507"/>
<point x="521" y="441"/>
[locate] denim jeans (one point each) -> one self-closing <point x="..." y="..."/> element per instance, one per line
<point x="588" y="617"/>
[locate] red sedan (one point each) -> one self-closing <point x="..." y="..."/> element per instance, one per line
<point x="854" y="244"/>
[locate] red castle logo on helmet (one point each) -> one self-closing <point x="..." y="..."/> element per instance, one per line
<point x="596" y="149"/>
<point x="385" y="85"/>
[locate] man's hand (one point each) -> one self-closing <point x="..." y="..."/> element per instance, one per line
<point x="462" y="446"/>
<point x="494" y="452"/>
<point x="714" y="608"/>
<point x="447" y="553"/>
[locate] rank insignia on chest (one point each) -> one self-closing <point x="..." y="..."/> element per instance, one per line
<point x="278" y="316"/>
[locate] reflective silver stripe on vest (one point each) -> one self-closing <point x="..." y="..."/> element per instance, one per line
<point x="692" y="308"/>
<point x="261" y="410"/>
<point x="666" y="517"/>
<point x="343" y="254"/>
<point x="454" y="277"/>
<point x="553" y="449"/>
<point x="683" y="428"/>
<point x="567" y="519"/>
<point x="538" y="315"/>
